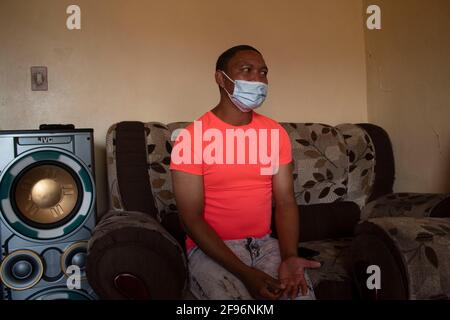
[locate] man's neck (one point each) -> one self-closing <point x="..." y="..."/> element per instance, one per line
<point x="229" y="113"/>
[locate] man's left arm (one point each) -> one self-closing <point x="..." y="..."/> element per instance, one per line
<point x="291" y="271"/>
<point x="286" y="211"/>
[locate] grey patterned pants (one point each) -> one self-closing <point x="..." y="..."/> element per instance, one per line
<point x="209" y="280"/>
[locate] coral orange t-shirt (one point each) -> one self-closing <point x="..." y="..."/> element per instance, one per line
<point x="237" y="164"/>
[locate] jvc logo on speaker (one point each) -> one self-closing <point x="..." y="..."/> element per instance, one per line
<point x="74" y="278"/>
<point x="45" y="139"/>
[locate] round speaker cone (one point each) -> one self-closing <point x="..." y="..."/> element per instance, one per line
<point x="79" y="259"/>
<point x="21" y="270"/>
<point x="46" y="194"/>
<point x="75" y="255"/>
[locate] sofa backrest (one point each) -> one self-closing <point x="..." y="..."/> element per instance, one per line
<point x="330" y="164"/>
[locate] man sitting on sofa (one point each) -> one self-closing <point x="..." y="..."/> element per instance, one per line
<point x="225" y="196"/>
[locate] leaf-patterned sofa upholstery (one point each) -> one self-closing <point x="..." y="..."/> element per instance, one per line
<point x="343" y="175"/>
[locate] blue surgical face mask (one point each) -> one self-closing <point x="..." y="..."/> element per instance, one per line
<point x="247" y="95"/>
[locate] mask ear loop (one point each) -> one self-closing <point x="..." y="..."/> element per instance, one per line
<point x="227" y="76"/>
<point x="229" y="95"/>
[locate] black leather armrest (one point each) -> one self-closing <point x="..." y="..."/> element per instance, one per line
<point x="131" y="256"/>
<point x="325" y="220"/>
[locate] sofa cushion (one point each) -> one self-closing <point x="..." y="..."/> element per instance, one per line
<point x="406" y="204"/>
<point x="384" y="165"/>
<point x="320" y="162"/>
<point x="159" y="147"/>
<point x="361" y="161"/>
<point x="333" y="280"/>
<point x="412" y="253"/>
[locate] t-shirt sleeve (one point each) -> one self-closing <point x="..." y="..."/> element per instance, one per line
<point x="184" y="157"/>
<point x="285" y="147"/>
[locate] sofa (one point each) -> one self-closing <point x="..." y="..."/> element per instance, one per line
<point x="349" y="215"/>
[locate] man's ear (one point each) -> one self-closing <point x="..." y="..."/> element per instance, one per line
<point x="220" y="79"/>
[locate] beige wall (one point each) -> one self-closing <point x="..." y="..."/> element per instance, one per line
<point x="408" y="66"/>
<point x="154" y="61"/>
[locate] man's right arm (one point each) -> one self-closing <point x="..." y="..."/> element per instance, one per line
<point x="189" y="195"/>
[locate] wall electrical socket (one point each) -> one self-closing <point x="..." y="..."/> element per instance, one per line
<point x="39" y="80"/>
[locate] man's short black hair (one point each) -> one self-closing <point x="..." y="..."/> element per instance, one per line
<point x="225" y="57"/>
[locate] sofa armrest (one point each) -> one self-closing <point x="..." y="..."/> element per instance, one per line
<point x="412" y="254"/>
<point x="408" y="205"/>
<point x="131" y="256"/>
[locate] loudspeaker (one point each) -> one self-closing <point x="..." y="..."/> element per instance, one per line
<point x="47" y="212"/>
